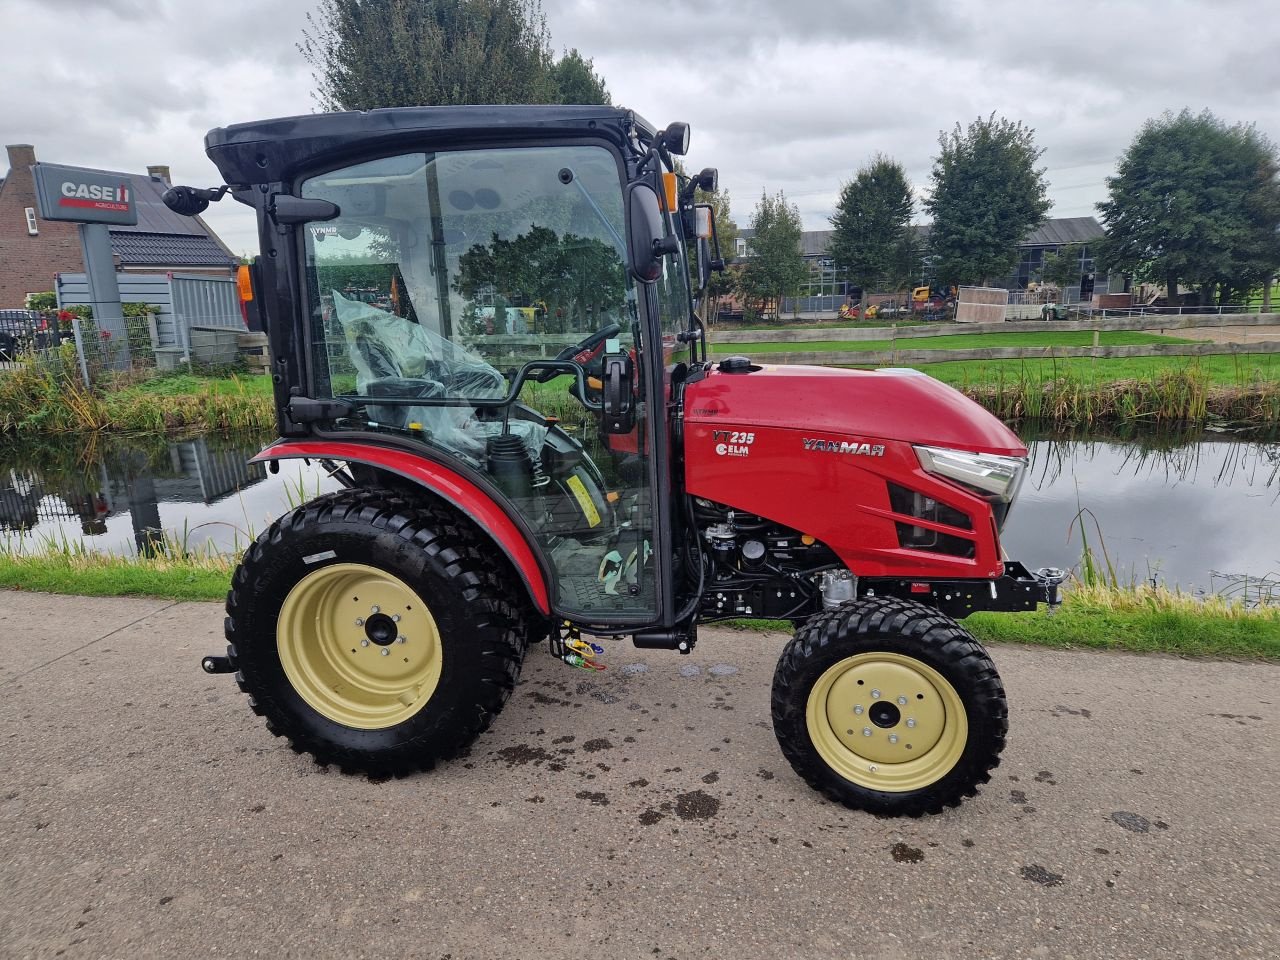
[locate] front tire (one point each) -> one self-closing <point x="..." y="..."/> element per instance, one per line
<point x="375" y="632"/>
<point x="888" y="706"/>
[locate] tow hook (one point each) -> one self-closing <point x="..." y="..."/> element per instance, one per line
<point x="217" y="665"/>
<point x="1052" y="579"/>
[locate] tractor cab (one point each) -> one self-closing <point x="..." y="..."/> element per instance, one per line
<point x="502" y="293"/>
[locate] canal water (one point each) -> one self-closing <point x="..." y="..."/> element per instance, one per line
<point x="1200" y="511"/>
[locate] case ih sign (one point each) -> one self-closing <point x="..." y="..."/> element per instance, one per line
<point x="83" y="196"/>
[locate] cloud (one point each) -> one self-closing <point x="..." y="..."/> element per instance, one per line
<point x="793" y="96"/>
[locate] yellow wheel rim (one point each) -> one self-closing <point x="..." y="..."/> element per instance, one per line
<point x="359" y="646"/>
<point x="887" y="722"/>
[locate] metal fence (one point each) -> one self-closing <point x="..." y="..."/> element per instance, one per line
<point x="184" y="302"/>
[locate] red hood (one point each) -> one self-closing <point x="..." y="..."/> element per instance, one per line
<point x="888" y="404"/>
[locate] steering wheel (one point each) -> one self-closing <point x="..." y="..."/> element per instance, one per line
<point x="582" y="352"/>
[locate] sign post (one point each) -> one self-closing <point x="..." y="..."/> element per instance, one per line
<point x="95" y="201"/>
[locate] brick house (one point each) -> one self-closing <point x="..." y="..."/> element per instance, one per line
<point x="32" y="249"/>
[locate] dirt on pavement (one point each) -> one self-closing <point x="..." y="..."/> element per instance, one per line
<point x="643" y="812"/>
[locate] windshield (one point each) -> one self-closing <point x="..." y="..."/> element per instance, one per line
<point x="448" y="267"/>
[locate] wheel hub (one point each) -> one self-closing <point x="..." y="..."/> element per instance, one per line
<point x="885" y="715"/>
<point x="381" y="629"/>
<point x="359" y="646"/>
<point x="886" y="721"/>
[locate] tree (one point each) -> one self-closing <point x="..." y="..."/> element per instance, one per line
<point x="987" y="196"/>
<point x="1062" y="267"/>
<point x="577" y="81"/>
<point x="775" y="267"/>
<point x="871" y="224"/>
<point x="1197" y="202"/>
<point x="579" y="279"/>
<point x="398" y="53"/>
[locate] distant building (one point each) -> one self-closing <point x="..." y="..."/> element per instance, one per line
<point x="32" y="250"/>
<point x="827" y="286"/>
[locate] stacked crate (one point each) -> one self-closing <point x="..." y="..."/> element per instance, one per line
<point x="254" y="350"/>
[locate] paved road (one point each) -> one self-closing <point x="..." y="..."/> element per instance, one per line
<point x="144" y="812"/>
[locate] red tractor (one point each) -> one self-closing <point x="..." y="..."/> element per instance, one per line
<point x="382" y="628"/>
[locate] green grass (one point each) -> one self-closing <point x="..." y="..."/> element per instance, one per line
<point x="1140" y="620"/>
<point x="48" y="398"/>
<point x="1224" y="371"/>
<point x="107" y="576"/>
<point x="960" y="341"/>
<point x="184" y="384"/>
<point x="815" y="325"/>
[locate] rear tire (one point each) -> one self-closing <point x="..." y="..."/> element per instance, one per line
<point x="315" y="617"/>
<point x="888" y="706"/>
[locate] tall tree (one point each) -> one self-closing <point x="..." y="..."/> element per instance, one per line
<point x="398" y="53"/>
<point x="721" y="284"/>
<point x="871" y="224"/>
<point x="577" y="81"/>
<point x="774" y="267"/>
<point x="987" y="196"/>
<point x="1197" y="202"/>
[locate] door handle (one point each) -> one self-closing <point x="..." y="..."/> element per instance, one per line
<point x="618" y="414"/>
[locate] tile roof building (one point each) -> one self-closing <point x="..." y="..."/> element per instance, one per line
<point x="32" y="249"/>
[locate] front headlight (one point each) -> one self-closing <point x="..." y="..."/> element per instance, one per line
<point x="987" y="473"/>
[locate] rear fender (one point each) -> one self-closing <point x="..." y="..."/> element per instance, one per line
<point x="449" y="485"/>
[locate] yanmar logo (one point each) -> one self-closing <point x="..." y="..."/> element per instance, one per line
<point x="95" y="196"/>
<point x="851" y="447"/>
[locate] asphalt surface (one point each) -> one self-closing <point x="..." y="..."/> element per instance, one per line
<point x="643" y="812"/>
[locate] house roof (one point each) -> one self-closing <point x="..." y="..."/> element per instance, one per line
<point x="167" y="249"/>
<point x="1064" y="230"/>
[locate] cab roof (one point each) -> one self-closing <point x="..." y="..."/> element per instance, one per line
<point x="268" y="151"/>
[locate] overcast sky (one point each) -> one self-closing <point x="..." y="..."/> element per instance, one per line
<point x="790" y="94"/>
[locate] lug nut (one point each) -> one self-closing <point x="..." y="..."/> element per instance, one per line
<point x="893" y="738"/>
<point x="875" y="694"/>
<point x="401" y="639"/>
<point x="858" y="709"/>
<point x="902" y="701"/>
<point x="364" y="643"/>
<point x="911" y="722"/>
<point x="866" y="731"/>
<point x="386" y="652"/>
<point x="396" y="618"/>
<point x="359" y="621"/>
<point x="375" y="609"/>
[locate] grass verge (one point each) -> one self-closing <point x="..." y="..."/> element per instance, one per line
<point x="960" y="341"/>
<point x="49" y="397"/>
<point x="98" y="575"/>
<point x="1139" y="620"/>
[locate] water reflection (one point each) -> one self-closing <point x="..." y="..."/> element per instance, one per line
<point x="1198" y="510"/>
<point x="140" y="496"/>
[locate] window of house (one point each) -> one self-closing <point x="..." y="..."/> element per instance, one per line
<point x="33" y="227"/>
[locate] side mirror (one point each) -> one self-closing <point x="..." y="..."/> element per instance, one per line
<point x="704" y="262"/>
<point x="290" y="209"/>
<point x="644" y="232"/>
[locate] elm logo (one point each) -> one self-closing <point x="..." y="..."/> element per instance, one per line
<point x="95" y="196"/>
<point x="845" y="446"/>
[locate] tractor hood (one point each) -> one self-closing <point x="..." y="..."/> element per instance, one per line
<point x="888" y="404"/>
